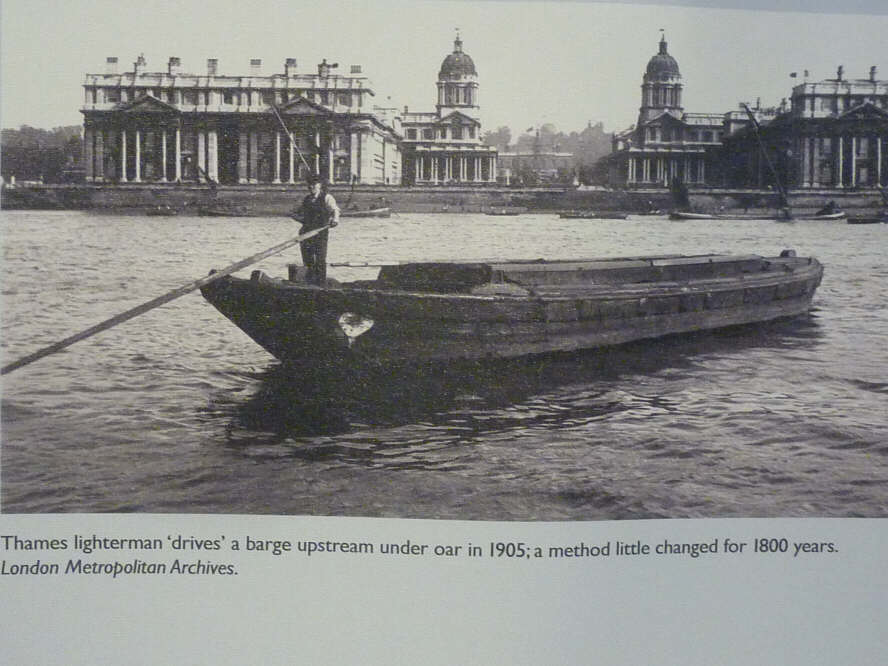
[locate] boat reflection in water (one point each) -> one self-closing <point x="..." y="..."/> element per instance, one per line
<point x="292" y="403"/>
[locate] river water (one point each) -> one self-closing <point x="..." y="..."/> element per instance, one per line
<point x="178" y="411"/>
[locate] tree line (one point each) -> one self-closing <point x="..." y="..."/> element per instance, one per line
<point x="586" y="147"/>
<point x="32" y="154"/>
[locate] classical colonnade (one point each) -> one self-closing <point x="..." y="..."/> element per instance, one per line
<point x="230" y="154"/>
<point x="429" y="168"/>
<point x="844" y="160"/>
<point x="663" y="169"/>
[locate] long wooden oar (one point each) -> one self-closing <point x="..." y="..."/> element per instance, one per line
<point x="290" y="136"/>
<point x="160" y="300"/>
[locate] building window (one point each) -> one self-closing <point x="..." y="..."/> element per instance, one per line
<point x="442" y="133"/>
<point x="428" y="133"/>
<point x="112" y="94"/>
<point x="228" y="97"/>
<point x="189" y="97"/>
<point x="344" y="99"/>
<point x="325" y="98"/>
<point x="707" y="137"/>
<point x="471" y="132"/>
<point x="268" y="97"/>
<point x="457" y="132"/>
<point x="862" y="146"/>
<point x="411" y="134"/>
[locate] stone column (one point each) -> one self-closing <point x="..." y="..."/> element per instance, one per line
<point x="254" y="156"/>
<point x="317" y="166"/>
<point x="88" y="154"/>
<point x="178" y="154"/>
<point x="816" y="157"/>
<point x="201" y="156"/>
<point x="277" y="157"/>
<point x="100" y="156"/>
<point x="123" y="156"/>
<point x="243" y="157"/>
<point x="330" y="172"/>
<point x="840" y="177"/>
<point x="292" y="157"/>
<point x="879" y="160"/>
<point x="163" y="156"/>
<point x="701" y="174"/>
<point x="853" y="161"/>
<point x="213" y="155"/>
<point x="417" y="168"/>
<point x="804" y="172"/>
<point x="352" y="154"/>
<point x="138" y="156"/>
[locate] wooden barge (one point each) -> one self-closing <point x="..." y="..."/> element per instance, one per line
<point x="431" y="312"/>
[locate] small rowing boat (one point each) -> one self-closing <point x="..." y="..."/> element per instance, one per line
<point x="384" y="211"/>
<point x="163" y="210"/>
<point x="869" y="219"/>
<point x="223" y="210"/>
<point x="690" y="215"/>
<point x="590" y="215"/>
<point x="422" y="312"/>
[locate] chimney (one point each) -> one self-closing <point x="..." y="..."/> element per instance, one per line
<point x="111" y="65"/>
<point x="839" y="72"/>
<point x="356" y="69"/>
<point x="255" y="66"/>
<point x="290" y="67"/>
<point x="325" y="67"/>
<point x="174" y="66"/>
<point x="405" y="109"/>
<point x="139" y="65"/>
<point x="873" y="73"/>
<point x="212" y="66"/>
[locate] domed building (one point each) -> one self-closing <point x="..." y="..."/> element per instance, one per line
<point x="444" y="146"/>
<point x="666" y="144"/>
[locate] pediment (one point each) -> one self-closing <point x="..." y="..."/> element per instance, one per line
<point x="665" y="119"/>
<point x="147" y="104"/>
<point x="457" y="118"/>
<point x="864" y="111"/>
<point x="303" y="107"/>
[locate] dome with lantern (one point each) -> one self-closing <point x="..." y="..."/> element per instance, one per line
<point x="457" y="65"/>
<point x="662" y="66"/>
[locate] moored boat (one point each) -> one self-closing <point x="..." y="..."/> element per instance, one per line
<point x="383" y="211"/>
<point x="436" y="312"/>
<point x="690" y="215"/>
<point x="591" y="215"/>
<point x="163" y="210"/>
<point x="869" y="219"/>
<point x="223" y="210"/>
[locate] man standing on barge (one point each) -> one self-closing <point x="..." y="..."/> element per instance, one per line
<point x="318" y="210"/>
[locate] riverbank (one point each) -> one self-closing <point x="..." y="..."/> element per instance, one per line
<point x="277" y="200"/>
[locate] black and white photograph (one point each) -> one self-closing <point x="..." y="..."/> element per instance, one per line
<point x="444" y="260"/>
<point x="444" y="332"/>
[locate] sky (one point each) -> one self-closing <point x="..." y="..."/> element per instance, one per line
<point x="564" y="63"/>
